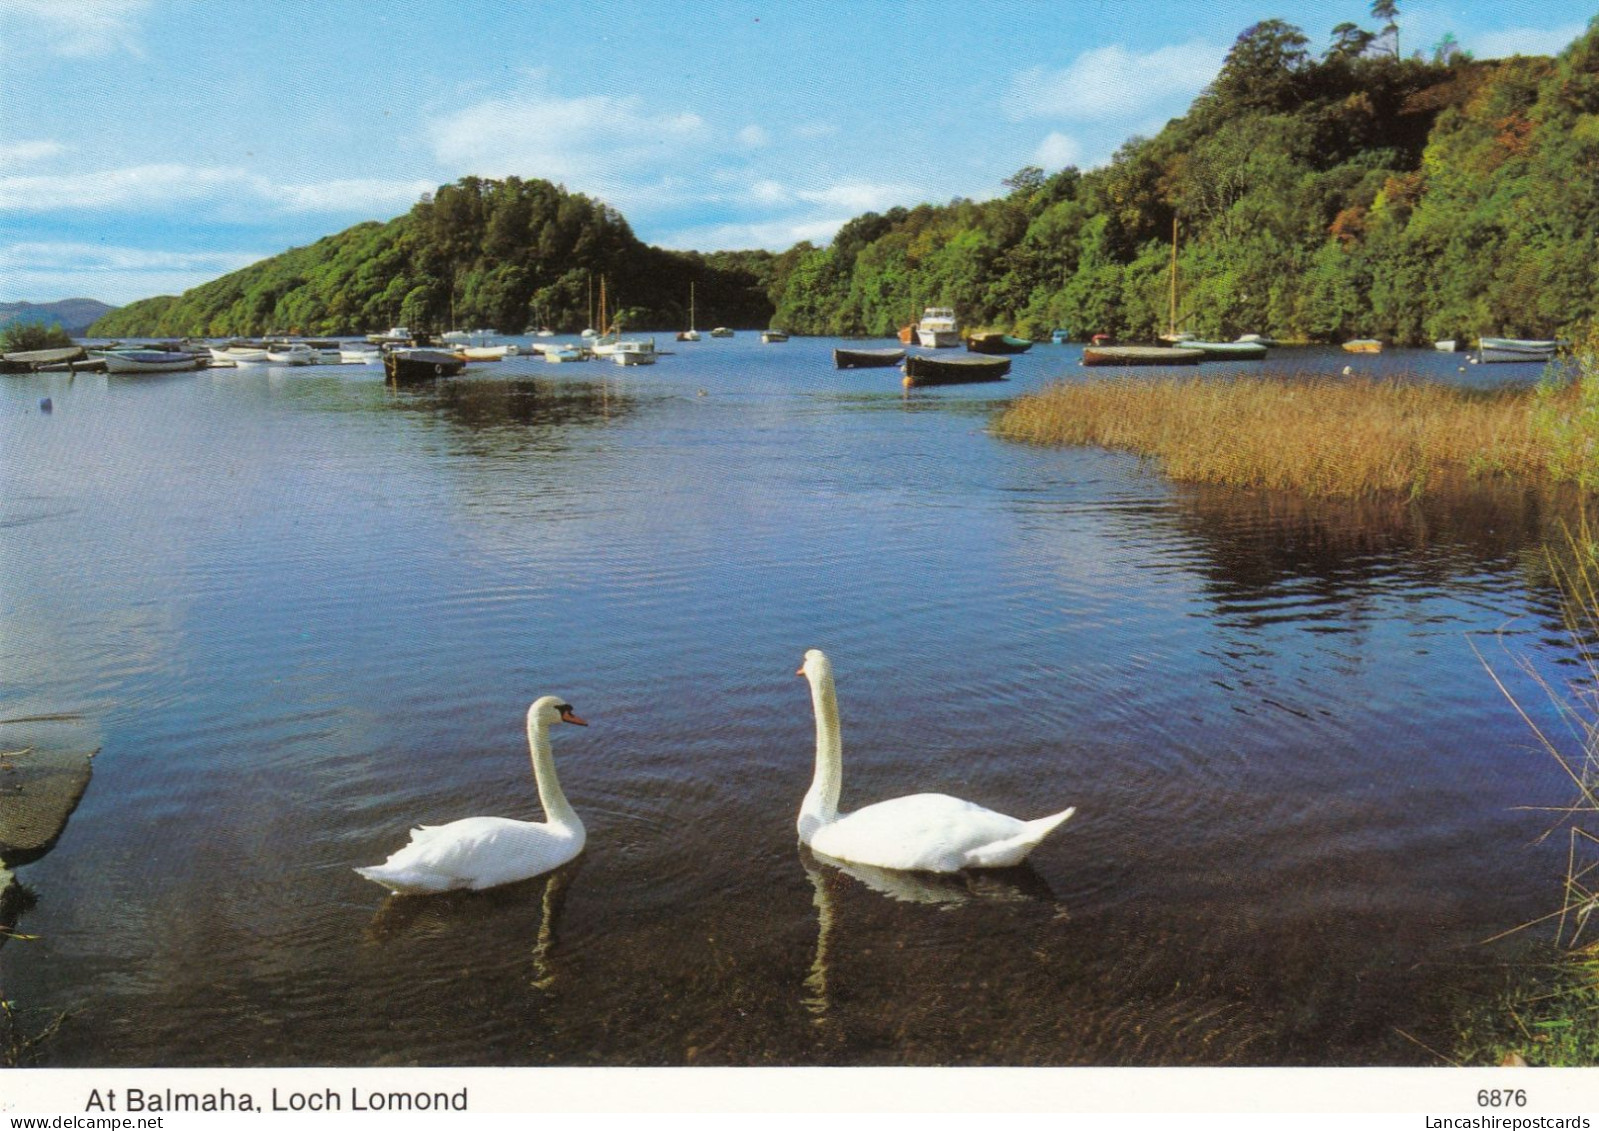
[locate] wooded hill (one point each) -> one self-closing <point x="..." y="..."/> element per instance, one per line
<point x="478" y="253"/>
<point x="1351" y="193"/>
<point x="1357" y="194"/>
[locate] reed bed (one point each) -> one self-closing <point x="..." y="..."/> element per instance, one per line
<point x="1550" y="1013"/>
<point x="1317" y="435"/>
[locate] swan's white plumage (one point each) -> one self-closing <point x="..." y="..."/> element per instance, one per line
<point x="482" y="852"/>
<point x="929" y="832"/>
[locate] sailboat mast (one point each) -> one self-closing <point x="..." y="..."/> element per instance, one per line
<point x="1172" y="322"/>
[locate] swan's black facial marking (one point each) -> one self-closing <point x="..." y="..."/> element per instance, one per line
<point x="565" y="710"/>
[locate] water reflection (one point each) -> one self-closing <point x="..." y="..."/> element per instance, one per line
<point x="485" y="405"/>
<point x="467" y="919"/>
<point x="1256" y="541"/>
<point x="946" y="892"/>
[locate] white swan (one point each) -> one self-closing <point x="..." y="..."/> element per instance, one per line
<point x="926" y="832"/>
<point x="482" y="852"/>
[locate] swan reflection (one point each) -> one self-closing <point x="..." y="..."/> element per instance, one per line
<point x="448" y="915"/>
<point x="1021" y="884"/>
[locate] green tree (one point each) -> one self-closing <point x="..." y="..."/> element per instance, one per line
<point x="1388" y="10"/>
<point x="18" y="337"/>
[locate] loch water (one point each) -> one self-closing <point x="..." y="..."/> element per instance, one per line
<point x="305" y="611"/>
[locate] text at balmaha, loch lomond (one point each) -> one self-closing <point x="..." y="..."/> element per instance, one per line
<point x="147" y="1100"/>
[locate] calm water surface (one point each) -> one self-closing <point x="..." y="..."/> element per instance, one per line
<point x="306" y="611"/>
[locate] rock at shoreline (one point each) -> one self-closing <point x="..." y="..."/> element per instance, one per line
<point x="45" y="764"/>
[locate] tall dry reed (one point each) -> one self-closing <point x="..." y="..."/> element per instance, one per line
<point x="1321" y="436"/>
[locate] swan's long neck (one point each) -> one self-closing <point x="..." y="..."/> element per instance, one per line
<point x="556" y="809"/>
<point x="820" y="806"/>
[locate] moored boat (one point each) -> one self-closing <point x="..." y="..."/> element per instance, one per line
<point x="1059" y="336"/>
<point x="1363" y="345"/>
<point x="244" y="352"/>
<point x="721" y="332"/>
<point x="1226" y="351"/>
<point x="359" y="355"/>
<point x="1142" y="355"/>
<point x="774" y="335"/>
<point x="291" y="353"/>
<point x="484" y="353"/>
<point x="148" y="361"/>
<point x="866" y="359"/>
<point x="420" y="364"/>
<point x="1517" y="349"/>
<point x="997" y="343"/>
<point x="938" y="328"/>
<point x="1446" y="345"/>
<point x="61" y="357"/>
<point x="564" y="353"/>
<point x="691" y="334"/>
<point x="324" y="351"/>
<point x="921" y="370"/>
<point x="395" y="335"/>
<point x="634" y="351"/>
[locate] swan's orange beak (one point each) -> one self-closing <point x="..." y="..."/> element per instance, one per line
<point x="568" y="717"/>
<point x="801" y="672"/>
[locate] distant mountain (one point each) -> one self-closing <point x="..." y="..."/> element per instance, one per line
<point x="74" y="315"/>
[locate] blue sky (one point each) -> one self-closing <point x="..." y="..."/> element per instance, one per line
<point x="147" y="146"/>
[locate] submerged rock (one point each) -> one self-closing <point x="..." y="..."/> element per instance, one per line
<point x="45" y="764"/>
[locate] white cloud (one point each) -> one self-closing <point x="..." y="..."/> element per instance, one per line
<point x="57" y="256"/>
<point x="365" y="195"/>
<point x="44" y="271"/>
<point x="1057" y="151"/>
<point x="24" y="152"/>
<point x="137" y="186"/>
<point x="82" y="28"/>
<point x="754" y="137"/>
<point x="859" y="196"/>
<point x="1113" y="83"/>
<point x="853" y="196"/>
<point x="560" y="138"/>
<point x="1523" y="41"/>
<point x="169" y="186"/>
<point x="774" y="235"/>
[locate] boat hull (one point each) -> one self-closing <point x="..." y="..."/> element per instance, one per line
<point x="1516" y="349"/>
<point x="997" y="344"/>
<point x="1227" y="351"/>
<point x="921" y="371"/>
<point x="1142" y="355"/>
<point x="866" y="359"/>
<point x="420" y="364"/>
<point x="938" y="339"/>
<point x="149" y="362"/>
<point x="1363" y="345"/>
<point x="633" y="353"/>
